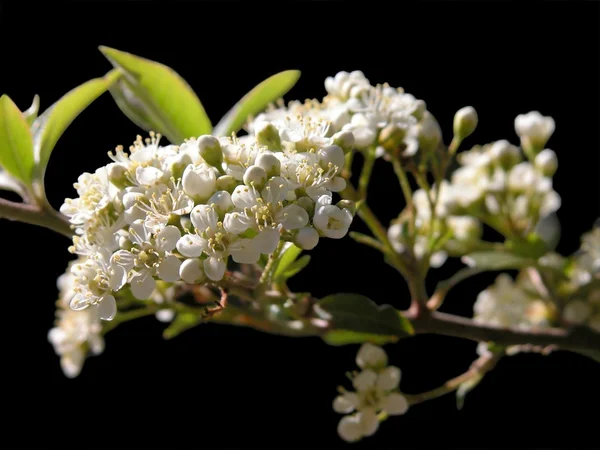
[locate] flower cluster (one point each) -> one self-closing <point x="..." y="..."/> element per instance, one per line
<point x="376" y="394"/>
<point x="494" y="182"/>
<point x="444" y="228"/>
<point x="179" y="212"/>
<point x="76" y="333"/>
<point x="377" y="116"/>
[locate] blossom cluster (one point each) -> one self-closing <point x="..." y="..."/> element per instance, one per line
<point x="179" y="212"/>
<point x="376" y="393"/>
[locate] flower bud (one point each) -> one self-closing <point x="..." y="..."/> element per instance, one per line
<point x="255" y="176"/>
<point x="191" y="271"/>
<point x="371" y="357"/>
<point x="430" y="133"/>
<point x="465" y="122"/>
<point x="117" y="174"/>
<point x="267" y="135"/>
<point x="344" y="140"/>
<point x="269" y="163"/>
<point x="221" y="202"/>
<point x="391" y="137"/>
<point x="332" y="157"/>
<point x="505" y="154"/>
<point x="534" y="131"/>
<point x="546" y="162"/>
<point x="348" y="204"/>
<point x="577" y="312"/>
<point x="226" y="183"/>
<point x="179" y="164"/>
<point x="306" y="238"/>
<point x="210" y="150"/>
<point x="199" y="181"/>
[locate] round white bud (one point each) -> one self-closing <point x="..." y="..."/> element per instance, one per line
<point x="191" y="271"/>
<point x="306" y="238"/>
<point x="371" y="356"/>
<point x="199" y="181"/>
<point x="430" y="133"/>
<point x="546" y="162"/>
<point x="255" y="176"/>
<point x="269" y="162"/>
<point x="465" y="122"/>
<point x="226" y="183"/>
<point x="210" y="150"/>
<point x="221" y="201"/>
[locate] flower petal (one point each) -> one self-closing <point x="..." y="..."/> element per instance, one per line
<point x="107" y="307"/>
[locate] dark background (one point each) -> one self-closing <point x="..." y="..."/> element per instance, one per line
<point x="227" y="386"/>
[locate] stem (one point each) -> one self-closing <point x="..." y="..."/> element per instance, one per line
<point x="444" y="287"/>
<point x="367" y="240"/>
<point x="35" y="215"/>
<point x="453" y="147"/>
<point x="450" y="325"/>
<point x="480" y="367"/>
<point x="266" y="275"/>
<point x="365" y="174"/>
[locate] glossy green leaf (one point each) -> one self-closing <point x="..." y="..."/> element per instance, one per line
<point x="355" y="318"/>
<point x="16" y="142"/>
<point x="182" y="322"/>
<point x="156" y="98"/>
<point x="496" y="260"/>
<point x="256" y="101"/>
<point x="50" y="126"/>
<point x="30" y="114"/>
<point x="296" y="267"/>
<point x="465" y="388"/>
<point x="285" y="260"/>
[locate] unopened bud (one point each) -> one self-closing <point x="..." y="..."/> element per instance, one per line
<point x="210" y="150"/>
<point x="198" y="182"/>
<point x="465" y="122"/>
<point x="255" y="176"/>
<point x="191" y="271"/>
<point x="269" y="163"/>
<point x="117" y="174"/>
<point x="306" y="238"/>
<point x="505" y="154"/>
<point x="267" y="135"/>
<point x="226" y="183"/>
<point x="391" y="137"/>
<point x="221" y="201"/>
<point x="344" y="140"/>
<point x="546" y="162"/>
<point x="179" y="164"/>
<point x="430" y="133"/>
<point x="534" y="131"/>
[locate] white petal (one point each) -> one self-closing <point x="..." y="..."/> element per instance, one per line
<point x="364" y="380"/>
<point x="168" y="269"/>
<point x="122" y="258"/>
<point x="243" y="197"/>
<point x="368" y="421"/>
<point x="79" y="302"/>
<point x="191" y="245"/>
<point x="138" y="232"/>
<point x="350" y="429"/>
<point x="292" y="217"/>
<point x="238" y="222"/>
<point x="244" y="251"/>
<point x="275" y="190"/>
<point x="167" y="238"/>
<point x="107" y="308"/>
<point x="267" y="240"/>
<point x="215" y="267"/>
<point x="148" y="176"/>
<point x="371" y="355"/>
<point x="346" y="403"/>
<point x="203" y="217"/>
<point x="389" y="378"/>
<point x="191" y="271"/>
<point x="142" y="286"/>
<point x="395" y="404"/>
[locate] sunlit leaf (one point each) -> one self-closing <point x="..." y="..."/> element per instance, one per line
<point x="16" y="142"/>
<point x="256" y="101"/>
<point x="30" y="114"/>
<point x="156" y="98"/>
<point x="285" y="260"/>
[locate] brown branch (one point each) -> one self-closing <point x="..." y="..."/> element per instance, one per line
<point x="35" y="215"/>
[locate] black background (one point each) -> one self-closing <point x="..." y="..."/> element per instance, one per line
<point x="226" y="386"/>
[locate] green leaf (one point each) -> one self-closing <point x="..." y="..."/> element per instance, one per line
<point x="182" y="322"/>
<point x="30" y="114"/>
<point x="285" y="260"/>
<point x="496" y="260"/>
<point x="156" y="98"/>
<point x="16" y="142"/>
<point x="465" y="388"/>
<point x="256" y="101"/>
<point x="355" y="318"/>
<point x="296" y="267"/>
<point x="50" y="126"/>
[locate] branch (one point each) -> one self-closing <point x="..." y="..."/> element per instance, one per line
<point x="480" y="367"/>
<point x="35" y="215"/>
<point x="450" y="325"/>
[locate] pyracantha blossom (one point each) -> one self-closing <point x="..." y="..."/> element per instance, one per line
<point x="376" y="393"/>
<point x="534" y="129"/>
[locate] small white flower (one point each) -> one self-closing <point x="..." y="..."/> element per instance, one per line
<point x="332" y="221"/>
<point x="370" y="355"/>
<point x="534" y="129"/>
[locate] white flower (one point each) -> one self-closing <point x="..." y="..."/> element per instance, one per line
<point x="163" y="203"/>
<point x="149" y="256"/>
<point x="331" y="221"/>
<point x="376" y="391"/>
<point x="345" y="84"/>
<point x="534" y="129"/>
